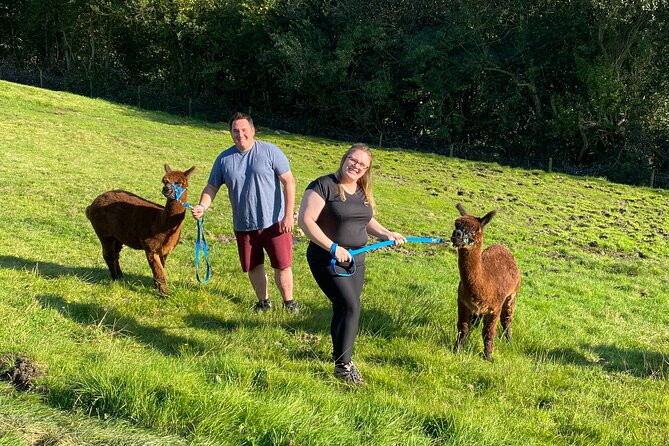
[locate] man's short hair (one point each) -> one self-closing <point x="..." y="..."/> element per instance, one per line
<point x="239" y="115"/>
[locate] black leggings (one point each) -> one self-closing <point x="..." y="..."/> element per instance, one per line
<point x="344" y="293"/>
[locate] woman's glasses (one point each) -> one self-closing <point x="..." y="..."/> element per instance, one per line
<point x="355" y="162"/>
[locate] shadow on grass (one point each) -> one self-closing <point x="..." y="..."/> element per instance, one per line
<point x="53" y="270"/>
<point x="307" y="334"/>
<point x="613" y="359"/>
<point x="314" y="320"/>
<point x="119" y="324"/>
<point x="215" y="323"/>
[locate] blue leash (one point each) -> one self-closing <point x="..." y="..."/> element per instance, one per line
<point x="200" y="242"/>
<point x="372" y="247"/>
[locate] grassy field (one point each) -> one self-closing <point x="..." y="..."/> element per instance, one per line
<point x="588" y="365"/>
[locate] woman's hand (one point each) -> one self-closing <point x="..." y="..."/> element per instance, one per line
<point x="342" y="255"/>
<point x="397" y="237"/>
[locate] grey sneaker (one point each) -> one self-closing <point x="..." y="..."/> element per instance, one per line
<point x="348" y="373"/>
<point x="262" y="305"/>
<point x="292" y="307"/>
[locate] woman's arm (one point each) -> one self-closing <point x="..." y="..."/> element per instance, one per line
<point x="310" y="208"/>
<point x="377" y="230"/>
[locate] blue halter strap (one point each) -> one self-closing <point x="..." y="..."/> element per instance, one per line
<point x="178" y="192"/>
<point x="354" y="252"/>
<point x="200" y="242"/>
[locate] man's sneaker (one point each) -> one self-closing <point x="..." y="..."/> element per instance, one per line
<point x="263" y="305"/>
<point x="291" y="306"/>
<point x="348" y="373"/>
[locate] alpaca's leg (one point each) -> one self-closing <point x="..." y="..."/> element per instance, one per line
<point x="111" y="254"/>
<point x="117" y="266"/>
<point x="464" y="325"/>
<point x="163" y="259"/>
<point x="489" y="330"/>
<point x="507" y="315"/>
<point x="159" y="279"/>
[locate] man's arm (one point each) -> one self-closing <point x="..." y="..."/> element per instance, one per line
<point x="288" y="181"/>
<point x="207" y="196"/>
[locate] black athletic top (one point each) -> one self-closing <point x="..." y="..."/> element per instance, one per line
<point x="344" y="222"/>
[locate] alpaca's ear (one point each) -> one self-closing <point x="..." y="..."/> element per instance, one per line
<point x="189" y="171"/>
<point x="167" y="169"/>
<point x="487" y="217"/>
<point x="461" y="209"/>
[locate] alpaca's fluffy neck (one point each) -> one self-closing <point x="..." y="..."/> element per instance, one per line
<point x="174" y="211"/>
<point x="470" y="264"/>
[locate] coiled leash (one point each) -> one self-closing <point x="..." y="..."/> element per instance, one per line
<point x="354" y="252"/>
<point x="200" y="242"/>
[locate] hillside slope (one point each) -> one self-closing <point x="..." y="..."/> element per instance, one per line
<point x="589" y="362"/>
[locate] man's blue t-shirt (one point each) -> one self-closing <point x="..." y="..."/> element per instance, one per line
<point x="252" y="179"/>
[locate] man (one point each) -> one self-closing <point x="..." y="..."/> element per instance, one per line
<point x="262" y="215"/>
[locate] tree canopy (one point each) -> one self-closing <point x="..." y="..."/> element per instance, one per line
<point x="583" y="81"/>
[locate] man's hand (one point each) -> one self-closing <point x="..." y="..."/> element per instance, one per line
<point x="286" y="225"/>
<point x="197" y="211"/>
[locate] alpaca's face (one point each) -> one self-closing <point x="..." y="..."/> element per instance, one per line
<point x="468" y="232"/>
<point x="469" y="229"/>
<point x="174" y="178"/>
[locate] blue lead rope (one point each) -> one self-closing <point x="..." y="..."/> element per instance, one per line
<point x="200" y="242"/>
<point x="372" y="247"/>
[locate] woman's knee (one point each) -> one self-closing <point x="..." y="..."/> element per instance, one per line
<point x="352" y="308"/>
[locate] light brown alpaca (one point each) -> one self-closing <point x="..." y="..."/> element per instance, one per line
<point x="489" y="281"/>
<point x="122" y="218"/>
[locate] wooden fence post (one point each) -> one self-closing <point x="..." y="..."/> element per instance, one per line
<point x="139" y="96"/>
<point x="190" y="107"/>
<point x="450" y="151"/>
<point x="652" y="177"/>
<point x="550" y="164"/>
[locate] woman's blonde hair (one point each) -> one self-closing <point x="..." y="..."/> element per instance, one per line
<point x="365" y="181"/>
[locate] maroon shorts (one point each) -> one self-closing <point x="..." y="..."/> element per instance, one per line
<point x="279" y="247"/>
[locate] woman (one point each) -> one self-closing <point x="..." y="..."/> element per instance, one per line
<point x="337" y="211"/>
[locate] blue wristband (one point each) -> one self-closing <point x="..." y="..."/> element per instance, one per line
<point x="333" y="250"/>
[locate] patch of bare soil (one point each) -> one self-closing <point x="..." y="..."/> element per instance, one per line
<point x="21" y="371"/>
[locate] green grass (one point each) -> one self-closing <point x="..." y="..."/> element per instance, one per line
<point x="589" y="362"/>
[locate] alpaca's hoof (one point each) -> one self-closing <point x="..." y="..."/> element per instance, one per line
<point x="488" y="357"/>
<point x="160" y="286"/>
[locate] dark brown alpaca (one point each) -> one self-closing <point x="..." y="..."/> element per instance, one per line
<point x="122" y="218"/>
<point x="489" y="281"/>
